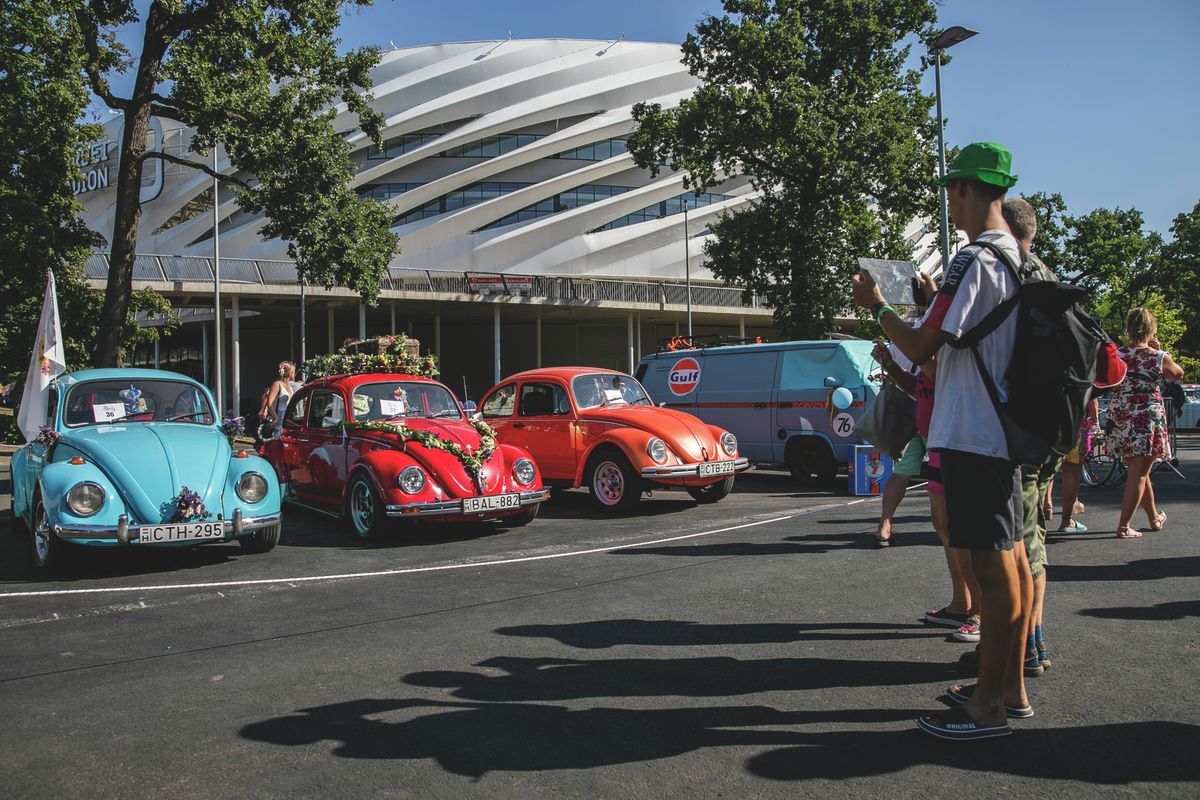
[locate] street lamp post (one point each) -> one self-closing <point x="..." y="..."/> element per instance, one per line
<point x="687" y="267"/>
<point x="947" y="38"/>
<point x="218" y="317"/>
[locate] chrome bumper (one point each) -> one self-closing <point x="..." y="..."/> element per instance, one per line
<point x="125" y="531"/>
<point x="455" y="507"/>
<point x="690" y="470"/>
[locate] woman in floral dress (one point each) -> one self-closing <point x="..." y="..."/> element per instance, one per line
<point x="1139" y="419"/>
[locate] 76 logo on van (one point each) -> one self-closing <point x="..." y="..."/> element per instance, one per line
<point x="684" y="376"/>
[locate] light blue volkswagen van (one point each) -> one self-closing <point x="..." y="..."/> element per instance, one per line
<point x="775" y="398"/>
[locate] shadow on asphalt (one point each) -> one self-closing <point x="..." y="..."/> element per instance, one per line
<point x="551" y="679"/>
<point x="606" y="633"/>
<point x="1146" y="569"/>
<point x="1160" y="612"/>
<point x="473" y="739"/>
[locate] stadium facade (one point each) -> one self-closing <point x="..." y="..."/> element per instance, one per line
<point x="527" y="234"/>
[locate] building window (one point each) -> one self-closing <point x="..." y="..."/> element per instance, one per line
<point x="665" y="208"/>
<point x="399" y="145"/>
<point x="492" y="146"/>
<point x="386" y="191"/>
<point x="469" y="196"/>
<point x="596" y="151"/>
<point x="564" y="201"/>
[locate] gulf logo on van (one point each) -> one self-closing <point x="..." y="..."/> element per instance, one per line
<point x="684" y="376"/>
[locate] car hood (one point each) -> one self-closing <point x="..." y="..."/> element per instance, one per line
<point x="150" y="462"/>
<point x="445" y="468"/>
<point x="685" y="435"/>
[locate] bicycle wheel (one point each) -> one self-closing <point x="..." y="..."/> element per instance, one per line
<point x="1098" y="466"/>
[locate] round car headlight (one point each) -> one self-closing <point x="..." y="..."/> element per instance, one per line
<point x="252" y="487"/>
<point x="657" y="450"/>
<point x="728" y="443"/>
<point x="85" y="499"/>
<point x="524" y="472"/>
<point x="411" y="480"/>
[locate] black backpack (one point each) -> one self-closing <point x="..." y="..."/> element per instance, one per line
<point x="1053" y="363"/>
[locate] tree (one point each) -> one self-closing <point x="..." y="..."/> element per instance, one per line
<point x="1180" y="277"/>
<point x="1050" y="241"/>
<point x="41" y="103"/>
<point x="810" y="100"/>
<point x="262" y="78"/>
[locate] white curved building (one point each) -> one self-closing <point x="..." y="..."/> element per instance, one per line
<point x="500" y="157"/>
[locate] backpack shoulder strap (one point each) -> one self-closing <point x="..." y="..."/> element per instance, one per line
<point x="1000" y="313"/>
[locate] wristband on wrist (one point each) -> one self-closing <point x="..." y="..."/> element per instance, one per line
<point x="883" y="310"/>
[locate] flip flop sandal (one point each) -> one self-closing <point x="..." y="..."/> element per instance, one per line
<point x="1127" y="533"/>
<point x="944" y="616"/>
<point x="1160" y="522"/>
<point x="955" y="725"/>
<point x="1074" y="527"/>
<point x="883" y="542"/>
<point x="961" y="694"/>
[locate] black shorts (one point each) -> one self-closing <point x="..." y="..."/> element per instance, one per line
<point x="984" y="508"/>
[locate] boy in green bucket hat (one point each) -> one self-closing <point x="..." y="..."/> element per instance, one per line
<point x="984" y="507"/>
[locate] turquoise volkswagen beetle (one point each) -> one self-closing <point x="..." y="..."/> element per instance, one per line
<point x="138" y="457"/>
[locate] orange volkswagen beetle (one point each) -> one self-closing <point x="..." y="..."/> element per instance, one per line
<point x="598" y="428"/>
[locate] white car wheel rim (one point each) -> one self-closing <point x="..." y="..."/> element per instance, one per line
<point x="41" y="535"/>
<point x="608" y="484"/>
<point x="362" y="507"/>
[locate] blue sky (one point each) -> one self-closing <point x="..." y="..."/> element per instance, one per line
<point x="1097" y="99"/>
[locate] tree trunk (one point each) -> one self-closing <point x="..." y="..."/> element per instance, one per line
<point x="124" y="240"/>
<point x="128" y="212"/>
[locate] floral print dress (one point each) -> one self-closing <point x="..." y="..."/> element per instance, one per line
<point x="1136" y="408"/>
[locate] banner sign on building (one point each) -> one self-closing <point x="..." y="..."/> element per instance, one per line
<point x="500" y="284"/>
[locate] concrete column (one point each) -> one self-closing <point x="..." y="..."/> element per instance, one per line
<point x="676" y="327"/>
<point x="292" y="340"/>
<point x="204" y="352"/>
<point x="362" y="321"/>
<point x="156" y="353"/>
<point x="392" y="309"/>
<point x="437" y="335"/>
<point x="639" y="336"/>
<point x="235" y="363"/>
<point x="742" y="327"/>
<point x="538" y="336"/>
<point x="496" y="336"/>
<point x="329" y="317"/>
<point x="629" y="340"/>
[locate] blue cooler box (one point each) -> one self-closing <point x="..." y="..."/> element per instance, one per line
<point x="870" y="469"/>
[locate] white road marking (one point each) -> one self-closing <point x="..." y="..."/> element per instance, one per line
<point x="441" y="568"/>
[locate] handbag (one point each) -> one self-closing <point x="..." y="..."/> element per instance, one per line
<point x="890" y="422"/>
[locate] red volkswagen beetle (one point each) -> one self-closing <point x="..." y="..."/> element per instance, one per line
<point x="378" y="446"/>
<point x="598" y="428"/>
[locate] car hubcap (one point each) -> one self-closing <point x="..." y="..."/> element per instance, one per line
<point x="362" y="508"/>
<point x="609" y="483"/>
<point x="41" y="535"/>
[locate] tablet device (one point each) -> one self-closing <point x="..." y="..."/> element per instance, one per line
<point x="897" y="280"/>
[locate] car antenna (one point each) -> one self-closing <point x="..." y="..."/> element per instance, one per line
<point x="466" y="396"/>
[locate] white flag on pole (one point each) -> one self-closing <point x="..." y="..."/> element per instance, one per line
<point x="48" y="362"/>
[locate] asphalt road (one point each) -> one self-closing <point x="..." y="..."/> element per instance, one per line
<point x="761" y="647"/>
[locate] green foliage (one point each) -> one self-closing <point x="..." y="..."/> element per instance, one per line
<point x="811" y="101"/>
<point x="41" y="103"/>
<point x="153" y="305"/>
<point x="1052" y="222"/>
<point x="264" y="79"/>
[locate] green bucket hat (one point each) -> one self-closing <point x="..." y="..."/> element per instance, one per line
<point x="987" y="162"/>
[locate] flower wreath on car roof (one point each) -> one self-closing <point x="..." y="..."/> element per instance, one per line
<point x="394" y="354"/>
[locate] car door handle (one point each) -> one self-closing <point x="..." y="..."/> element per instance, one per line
<point x="518" y="424"/>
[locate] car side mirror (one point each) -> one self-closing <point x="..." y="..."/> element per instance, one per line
<point x="477" y="416"/>
<point x="663" y="404"/>
<point x="832" y="382"/>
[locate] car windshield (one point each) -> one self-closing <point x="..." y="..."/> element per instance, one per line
<point x="406" y="399"/>
<point x="605" y="389"/>
<point x="136" y="400"/>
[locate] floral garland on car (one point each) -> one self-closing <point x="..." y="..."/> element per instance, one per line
<point x="471" y="460"/>
<point x="47" y="437"/>
<point x="233" y="427"/>
<point x="394" y="358"/>
<point x="189" y="507"/>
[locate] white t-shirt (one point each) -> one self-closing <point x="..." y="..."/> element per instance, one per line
<point x="974" y="284"/>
